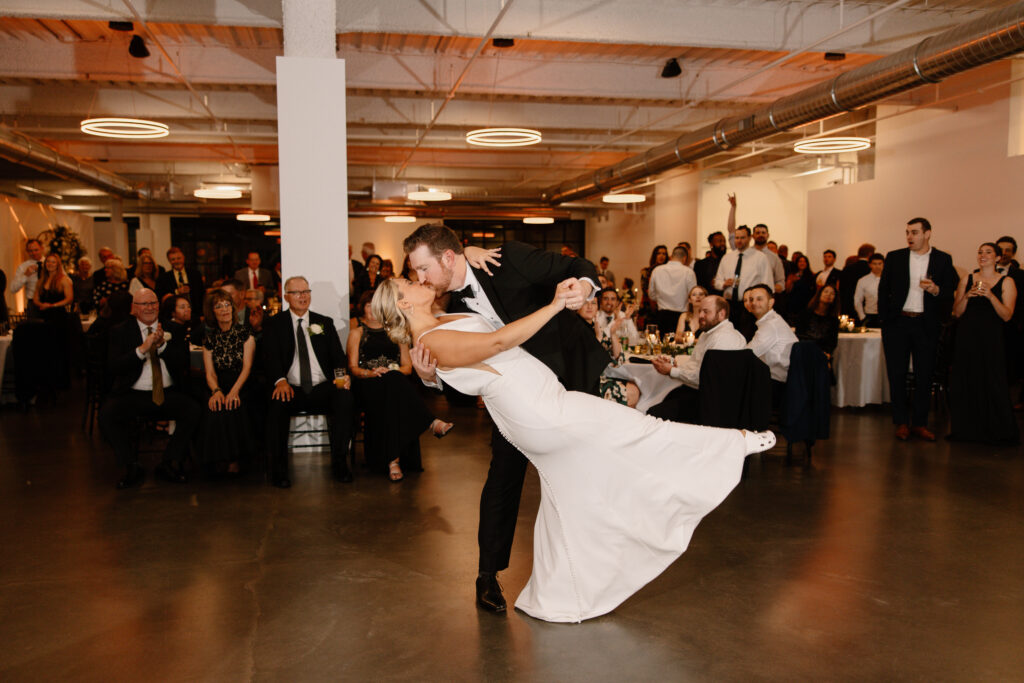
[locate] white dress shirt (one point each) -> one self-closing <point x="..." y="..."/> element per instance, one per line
<point x="865" y="297"/>
<point x="722" y="336"/>
<point x="823" y="276"/>
<point x="755" y="271"/>
<point x="316" y="373"/>
<point x="605" y="320"/>
<point x="670" y="285"/>
<point x="21" y="279"/>
<point x="145" y="381"/>
<point x="772" y="343"/>
<point x="778" y="270"/>
<point x="918" y="269"/>
<point x="478" y="302"/>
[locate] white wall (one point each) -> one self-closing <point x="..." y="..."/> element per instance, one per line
<point x="625" y="236"/>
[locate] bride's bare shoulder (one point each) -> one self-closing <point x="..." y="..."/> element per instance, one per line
<point x="448" y="317"/>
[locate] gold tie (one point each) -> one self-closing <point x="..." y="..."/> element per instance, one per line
<point x="158" y="374"/>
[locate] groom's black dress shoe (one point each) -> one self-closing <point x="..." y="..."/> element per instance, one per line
<point x="488" y="592"/>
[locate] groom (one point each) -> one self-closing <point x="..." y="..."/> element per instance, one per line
<point x="523" y="283"/>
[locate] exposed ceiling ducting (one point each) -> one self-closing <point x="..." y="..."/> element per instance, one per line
<point x="979" y="42"/>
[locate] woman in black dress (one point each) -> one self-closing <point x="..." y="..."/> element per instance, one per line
<point x="226" y="436"/>
<point x="800" y="286"/>
<point x="980" y="407"/>
<point x="176" y="316"/>
<point x="117" y="281"/>
<point x="395" y="413"/>
<point x="54" y="294"/>
<point x="820" y="320"/>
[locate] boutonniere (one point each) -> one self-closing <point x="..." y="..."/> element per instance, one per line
<point x="315" y="329"/>
<point x="167" y="336"/>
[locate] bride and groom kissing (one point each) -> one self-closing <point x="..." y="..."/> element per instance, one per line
<point x="622" y="492"/>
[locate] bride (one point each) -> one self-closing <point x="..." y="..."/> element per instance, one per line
<point x="622" y="492"/>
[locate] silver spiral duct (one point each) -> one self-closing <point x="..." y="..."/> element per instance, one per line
<point x="984" y="40"/>
<point x="27" y="151"/>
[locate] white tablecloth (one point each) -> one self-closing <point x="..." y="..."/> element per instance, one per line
<point x="859" y="365"/>
<point x="653" y="385"/>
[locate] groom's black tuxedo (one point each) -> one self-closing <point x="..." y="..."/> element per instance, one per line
<point x="523" y="283"/>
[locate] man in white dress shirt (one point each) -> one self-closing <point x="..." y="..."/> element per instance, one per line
<point x="670" y="286"/>
<point x="738" y="270"/>
<point x="773" y="340"/>
<point x="610" y="309"/>
<point x="27" y="273"/>
<point x="865" y="298"/>
<point x="680" y="405"/>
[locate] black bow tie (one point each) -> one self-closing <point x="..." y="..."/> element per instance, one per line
<point x="462" y="294"/>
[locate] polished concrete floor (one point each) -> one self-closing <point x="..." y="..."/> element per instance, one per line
<point x="881" y="561"/>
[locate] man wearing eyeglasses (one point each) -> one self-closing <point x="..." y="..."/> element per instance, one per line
<point x="150" y="380"/>
<point x="302" y="351"/>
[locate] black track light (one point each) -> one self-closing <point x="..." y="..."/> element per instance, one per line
<point x="672" y="69"/>
<point x="121" y="26"/>
<point x="137" y="48"/>
<point x="503" y="42"/>
<point x="835" y="56"/>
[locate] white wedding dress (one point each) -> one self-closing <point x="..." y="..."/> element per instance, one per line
<point x="621" y="492"/>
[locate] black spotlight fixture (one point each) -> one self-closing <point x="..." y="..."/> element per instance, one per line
<point x="503" y="42"/>
<point x="672" y="69"/>
<point x="835" y="56"/>
<point x="121" y="26"/>
<point x="137" y="48"/>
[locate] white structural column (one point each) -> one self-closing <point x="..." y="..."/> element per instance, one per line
<point x="675" y="212"/>
<point x="312" y="156"/>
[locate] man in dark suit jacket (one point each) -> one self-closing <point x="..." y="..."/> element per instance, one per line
<point x="706" y="268"/>
<point x="829" y="275"/>
<point x="149" y="379"/>
<point x="915" y="296"/>
<point x="851" y="276"/>
<point x="523" y="283"/>
<point x="264" y="279"/>
<point x="181" y="280"/>
<point x="303" y="379"/>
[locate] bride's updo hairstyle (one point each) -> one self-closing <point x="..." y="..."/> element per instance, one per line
<point x="385" y="309"/>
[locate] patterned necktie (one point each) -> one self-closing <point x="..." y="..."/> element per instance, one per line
<point x="736" y="276"/>
<point x="305" y="374"/>
<point x="158" y="373"/>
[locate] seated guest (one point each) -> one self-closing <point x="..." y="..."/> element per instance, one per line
<point x="117" y="310"/>
<point x="611" y="309"/>
<point x="865" y="297"/>
<point x="670" y="285"/>
<point x="689" y="319"/>
<point x="146" y="273"/>
<point x="254" y="309"/>
<point x="82" y="283"/>
<point x="115" y="279"/>
<point x="176" y="316"/>
<point x="611" y="336"/>
<point x="236" y="288"/>
<point x="395" y="414"/>
<point x="54" y="293"/>
<point x="680" y="405"/>
<point x="820" y="321"/>
<point x="149" y="378"/>
<point x="303" y="374"/>
<point x="773" y="340"/>
<point x="226" y="434"/>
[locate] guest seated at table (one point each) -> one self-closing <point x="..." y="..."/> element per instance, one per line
<point x="82" y="283"/>
<point x="254" y="310"/>
<point x="680" y="405"/>
<point x="117" y="309"/>
<point x="226" y="435"/>
<point x="395" y="413"/>
<point x="773" y="340"/>
<point x="800" y="288"/>
<point x="611" y="388"/>
<point x="689" y="320"/>
<point x="820" y="321"/>
<point x="176" y="317"/>
<point x="146" y="273"/>
<point x="115" y="280"/>
<point x="865" y="297"/>
<point x="612" y="309"/>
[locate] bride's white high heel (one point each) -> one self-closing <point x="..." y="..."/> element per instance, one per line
<point x="758" y="441"/>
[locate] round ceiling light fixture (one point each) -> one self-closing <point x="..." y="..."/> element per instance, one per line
<point x="219" y="192"/>
<point x="539" y="220"/>
<point x="830" y="145"/>
<point x="125" y="129"/>
<point x="503" y="137"/>
<point x="430" y="195"/>
<point x="253" y="217"/>
<point x="624" y="198"/>
<point x="399" y="219"/>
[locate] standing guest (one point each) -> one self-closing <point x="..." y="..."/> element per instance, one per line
<point x="760" y="243"/>
<point x="739" y="270"/>
<point x="54" y="293"/>
<point x="800" y="288"/>
<point x="602" y="269"/>
<point x="176" y="317"/>
<point x="371" y="278"/>
<point x="690" y="260"/>
<point x="773" y="340"/>
<point x="82" y="283"/>
<point x="104" y="254"/>
<point x="235" y="288"/>
<point x="145" y="273"/>
<point x="829" y="275"/>
<point x="368" y="249"/>
<point x="115" y="279"/>
<point x="706" y="268"/>
<point x="302" y="352"/>
<point x="680" y="404"/>
<point x="181" y="279"/>
<point x="408" y="272"/>
<point x="980" y="407"/>
<point x="395" y="413"/>
<point x="1015" y="328"/>
<point x="865" y="296"/>
<point x="689" y="321"/>
<point x="27" y="275"/>
<point x="228" y="349"/>
<point x="851" y="275"/>
<point x="387" y="269"/>
<point x="150" y="377"/>
<point x="611" y="310"/>
<point x="356" y="267"/>
<point x="145" y="251"/>
<point x="820" y="320"/>
<point x="670" y="285"/>
<point x="3" y="302"/>
<point x="773" y="247"/>
<point x="253" y="276"/>
<point x="915" y="295"/>
<point x="659" y="256"/>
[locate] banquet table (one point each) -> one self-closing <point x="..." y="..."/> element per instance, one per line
<point x="653" y="385"/>
<point x="859" y="365"/>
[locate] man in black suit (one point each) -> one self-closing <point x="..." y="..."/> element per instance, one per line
<point x="915" y="296"/>
<point x="253" y="276"/>
<point x="304" y="380"/>
<point x="706" y="268"/>
<point x="524" y="282"/>
<point x="829" y="275"/>
<point x="851" y="275"/>
<point x="181" y="280"/>
<point x="150" y="379"/>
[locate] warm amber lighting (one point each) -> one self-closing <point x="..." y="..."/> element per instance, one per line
<point x="430" y="195"/>
<point x="253" y="217"/>
<point x="830" y="145"/>
<point x="218" y="193"/>
<point x="503" y="137"/>
<point x="127" y="129"/>
<point x="624" y="198"/>
<point x="539" y="220"/>
<point x="399" y="219"/>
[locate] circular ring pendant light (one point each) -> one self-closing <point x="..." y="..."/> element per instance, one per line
<point x="830" y="145"/>
<point x="125" y="129"/>
<point x="624" y="198"/>
<point x="503" y="137"/>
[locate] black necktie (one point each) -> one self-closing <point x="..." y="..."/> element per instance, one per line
<point x="305" y="374"/>
<point x="180" y="279"/>
<point x="736" y="276"/>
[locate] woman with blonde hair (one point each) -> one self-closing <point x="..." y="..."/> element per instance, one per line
<point x="622" y="492"/>
<point x="145" y="274"/>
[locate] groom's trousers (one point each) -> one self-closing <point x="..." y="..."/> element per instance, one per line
<point x="499" y="503"/>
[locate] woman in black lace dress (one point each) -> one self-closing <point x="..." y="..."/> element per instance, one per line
<point x="980" y="406"/>
<point x="820" y="320"/>
<point x="226" y="436"/>
<point x="395" y="412"/>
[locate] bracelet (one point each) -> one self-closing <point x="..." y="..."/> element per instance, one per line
<point x="216" y="389"/>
